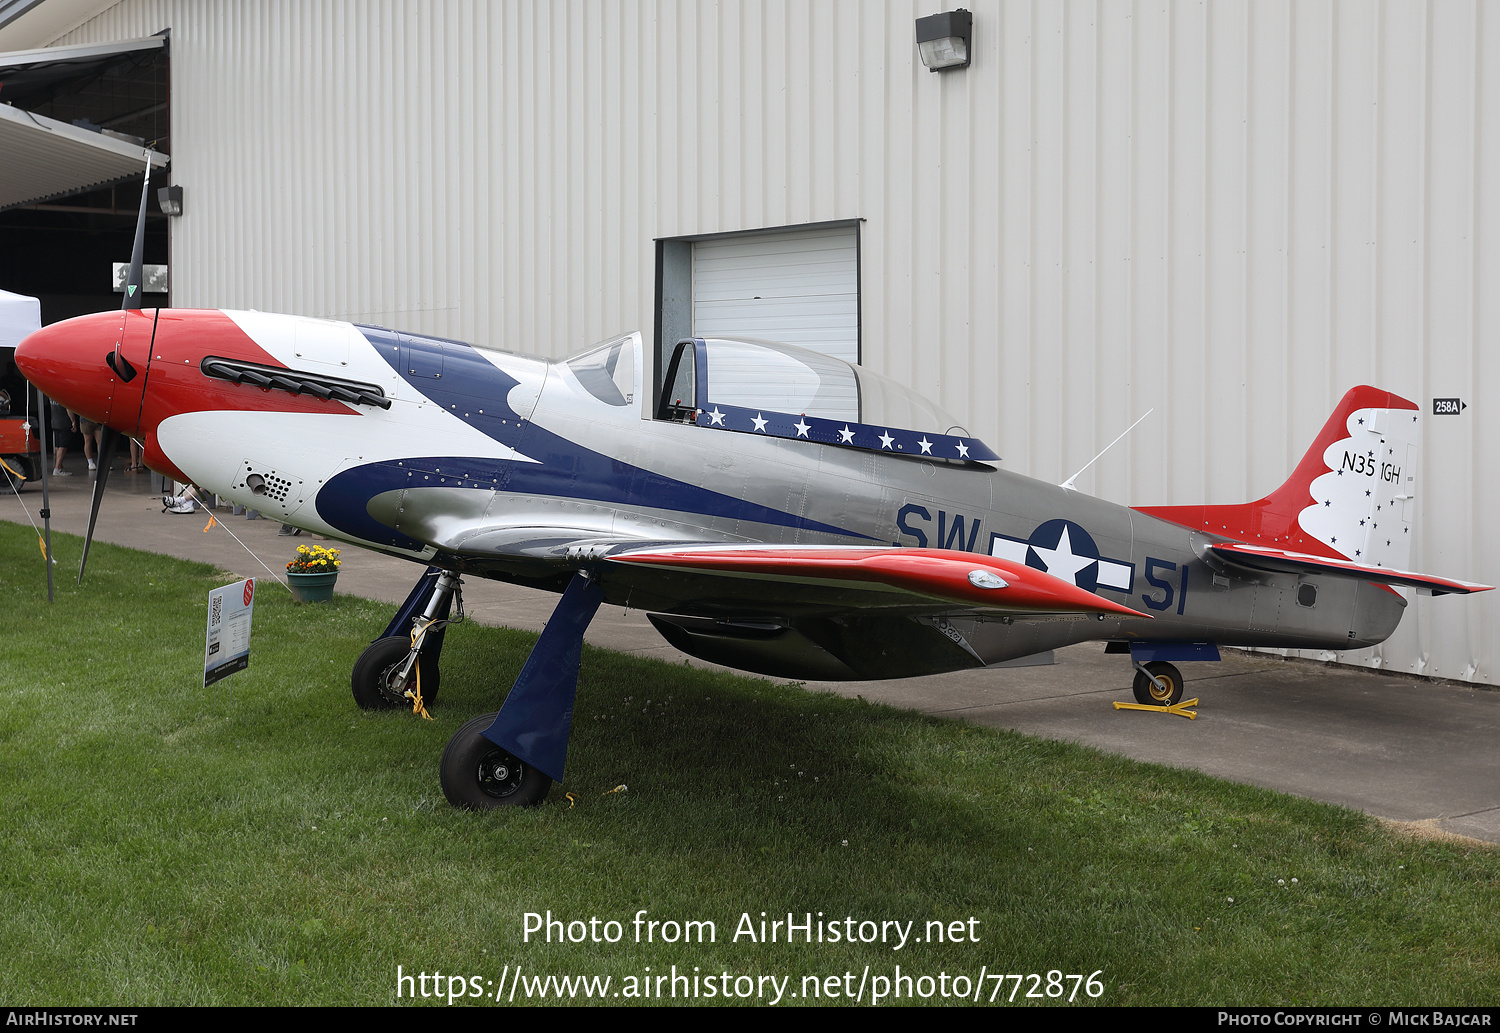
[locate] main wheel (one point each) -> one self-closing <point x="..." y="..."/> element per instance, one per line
<point x="1149" y="694"/>
<point x="23" y="472"/>
<point x="374" y="678"/>
<point x="477" y="775"/>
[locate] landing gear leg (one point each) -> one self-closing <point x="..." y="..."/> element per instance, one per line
<point x="513" y="757"/>
<point x="401" y="667"/>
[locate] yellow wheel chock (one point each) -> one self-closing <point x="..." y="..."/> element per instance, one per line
<point x="1180" y="708"/>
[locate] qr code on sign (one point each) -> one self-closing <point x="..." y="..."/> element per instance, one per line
<point x="215" y="609"/>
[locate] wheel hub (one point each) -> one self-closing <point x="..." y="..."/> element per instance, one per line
<point x="393" y="687"/>
<point x="499" y="774"/>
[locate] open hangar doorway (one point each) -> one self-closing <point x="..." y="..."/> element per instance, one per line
<point x="76" y="122"/>
<point x="76" y="127"/>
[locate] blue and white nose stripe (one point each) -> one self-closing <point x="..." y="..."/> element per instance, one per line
<point x="1067" y="551"/>
<point x="474" y="390"/>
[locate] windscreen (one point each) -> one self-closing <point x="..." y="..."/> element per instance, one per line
<point x="607" y="371"/>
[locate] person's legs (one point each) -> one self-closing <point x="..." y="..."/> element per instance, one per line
<point x="63" y="424"/>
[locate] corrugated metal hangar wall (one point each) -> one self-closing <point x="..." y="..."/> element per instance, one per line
<point x="1231" y="211"/>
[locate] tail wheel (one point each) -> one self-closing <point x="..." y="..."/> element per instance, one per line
<point x="477" y="775"/>
<point x="1149" y="693"/>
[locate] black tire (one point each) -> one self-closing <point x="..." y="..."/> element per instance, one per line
<point x="477" y="775"/>
<point x="372" y="679"/>
<point x="1149" y="694"/>
<point x="21" y="465"/>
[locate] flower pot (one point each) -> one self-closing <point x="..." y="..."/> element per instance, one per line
<point x="311" y="588"/>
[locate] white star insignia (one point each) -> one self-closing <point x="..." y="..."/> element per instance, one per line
<point x="1062" y="562"/>
<point x="926" y="445"/>
<point x="716" y="417"/>
<point x="802" y="428"/>
<point x="963" y="450"/>
<point x="886" y="440"/>
<point x="760" y="422"/>
<point x="846" y="435"/>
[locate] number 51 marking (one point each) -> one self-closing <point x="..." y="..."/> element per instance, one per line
<point x="1168" y="591"/>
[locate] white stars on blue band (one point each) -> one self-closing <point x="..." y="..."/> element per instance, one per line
<point x="846" y="433"/>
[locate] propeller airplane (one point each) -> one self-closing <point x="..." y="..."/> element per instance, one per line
<point x="771" y="508"/>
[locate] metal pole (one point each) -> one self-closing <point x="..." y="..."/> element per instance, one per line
<point x="44" y="422"/>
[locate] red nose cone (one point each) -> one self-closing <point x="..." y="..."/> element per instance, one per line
<point x="67" y="361"/>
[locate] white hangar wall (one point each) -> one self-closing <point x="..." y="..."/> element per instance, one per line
<point x="1231" y="211"/>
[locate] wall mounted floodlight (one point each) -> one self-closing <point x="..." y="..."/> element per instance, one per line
<point x="943" y="39"/>
<point x="170" y="199"/>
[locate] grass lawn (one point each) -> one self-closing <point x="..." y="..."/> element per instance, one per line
<point x="265" y="842"/>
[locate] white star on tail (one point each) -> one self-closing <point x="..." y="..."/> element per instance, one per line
<point x="963" y="450"/>
<point x="1062" y="562"/>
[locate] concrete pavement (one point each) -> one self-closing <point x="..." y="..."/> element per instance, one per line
<point x="1400" y="748"/>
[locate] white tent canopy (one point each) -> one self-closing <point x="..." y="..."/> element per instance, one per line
<point x="19" y="316"/>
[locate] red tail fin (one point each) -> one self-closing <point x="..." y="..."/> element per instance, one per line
<point x="1351" y="495"/>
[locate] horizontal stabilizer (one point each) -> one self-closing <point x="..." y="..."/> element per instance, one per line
<point x="952" y="578"/>
<point x="1263" y="558"/>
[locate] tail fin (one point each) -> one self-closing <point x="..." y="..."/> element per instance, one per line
<point x="1352" y="496"/>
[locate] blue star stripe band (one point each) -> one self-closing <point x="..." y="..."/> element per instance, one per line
<point x="872" y="438"/>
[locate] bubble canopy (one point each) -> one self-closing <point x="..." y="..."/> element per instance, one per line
<point x="783" y="391"/>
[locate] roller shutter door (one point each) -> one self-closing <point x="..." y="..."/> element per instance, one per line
<point x="797" y="286"/>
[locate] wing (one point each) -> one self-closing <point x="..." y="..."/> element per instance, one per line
<point x="789" y="580"/>
<point x="811" y="611"/>
<point x="1262" y="558"/>
<point x="841" y="612"/>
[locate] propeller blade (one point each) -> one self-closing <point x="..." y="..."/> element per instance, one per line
<point x="109" y="440"/>
<point x="135" y="280"/>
